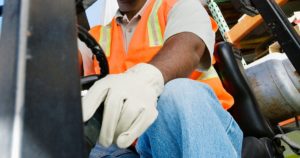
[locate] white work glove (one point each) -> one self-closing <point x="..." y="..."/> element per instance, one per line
<point x="130" y="100"/>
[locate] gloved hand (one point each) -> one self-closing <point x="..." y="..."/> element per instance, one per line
<point x="130" y="100"/>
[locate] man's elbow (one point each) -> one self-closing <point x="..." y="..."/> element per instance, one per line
<point x="198" y="49"/>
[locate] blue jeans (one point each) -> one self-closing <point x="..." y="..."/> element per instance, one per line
<point x="191" y="123"/>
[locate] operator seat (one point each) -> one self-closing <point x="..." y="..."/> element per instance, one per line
<point x="258" y="134"/>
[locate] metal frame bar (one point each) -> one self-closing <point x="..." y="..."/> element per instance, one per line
<point x="81" y="16"/>
<point x="281" y="29"/>
<point x="81" y="7"/>
<point x="40" y="111"/>
<point x="246" y="25"/>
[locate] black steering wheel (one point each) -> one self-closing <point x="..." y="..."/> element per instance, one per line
<point x="91" y="43"/>
<point x="92" y="127"/>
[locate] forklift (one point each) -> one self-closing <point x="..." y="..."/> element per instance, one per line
<point x="40" y="82"/>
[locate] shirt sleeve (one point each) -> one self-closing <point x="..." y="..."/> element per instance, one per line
<point x="191" y="16"/>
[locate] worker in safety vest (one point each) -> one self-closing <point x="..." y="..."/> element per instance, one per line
<point x="153" y="46"/>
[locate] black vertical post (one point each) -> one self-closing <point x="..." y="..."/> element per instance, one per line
<point x="281" y="29"/>
<point x="40" y="112"/>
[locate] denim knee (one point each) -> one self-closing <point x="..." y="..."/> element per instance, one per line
<point x="182" y="97"/>
<point x="182" y="91"/>
<point x="183" y="85"/>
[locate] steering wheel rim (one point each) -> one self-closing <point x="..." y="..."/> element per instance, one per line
<point x="92" y="44"/>
<point x="96" y="49"/>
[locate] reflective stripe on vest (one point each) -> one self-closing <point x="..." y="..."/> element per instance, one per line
<point x="209" y="74"/>
<point x="105" y="39"/>
<point x="154" y="30"/>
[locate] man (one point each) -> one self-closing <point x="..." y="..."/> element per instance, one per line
<point x="151" y="46"/>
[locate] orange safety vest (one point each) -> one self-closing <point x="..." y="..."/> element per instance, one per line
<point x="147" y="40"/>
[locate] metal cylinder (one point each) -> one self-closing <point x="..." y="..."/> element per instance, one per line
<point x="276" y="86"/>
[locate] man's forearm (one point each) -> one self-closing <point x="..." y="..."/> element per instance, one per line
<point x="179" y="56"/>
